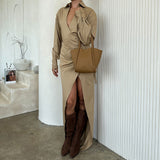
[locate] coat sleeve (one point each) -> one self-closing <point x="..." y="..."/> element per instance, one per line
<point x="57" y="43"/>
<point x="87" y="25"/>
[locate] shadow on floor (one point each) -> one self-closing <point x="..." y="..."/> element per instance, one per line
<point x="24" y="137"/>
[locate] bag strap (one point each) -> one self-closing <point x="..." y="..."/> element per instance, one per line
<point x="92" y="42"/>
<point x="92" y="50"/>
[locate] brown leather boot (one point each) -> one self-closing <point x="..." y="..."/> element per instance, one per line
<point x="80" y="127"/>
<point x="70" y="122"/>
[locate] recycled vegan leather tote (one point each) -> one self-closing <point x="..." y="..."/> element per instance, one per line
<point x="86" y="60"/>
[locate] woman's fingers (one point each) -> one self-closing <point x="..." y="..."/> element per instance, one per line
<point x="55" y="71"/>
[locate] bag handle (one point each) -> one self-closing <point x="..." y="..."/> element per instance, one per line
<point x="92" y="51"/>
<point x="92" y="41"/>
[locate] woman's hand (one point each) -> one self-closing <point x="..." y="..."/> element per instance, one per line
<point x="55" y="71"/>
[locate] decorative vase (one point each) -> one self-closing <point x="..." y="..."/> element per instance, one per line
<point x="22" y="64"/>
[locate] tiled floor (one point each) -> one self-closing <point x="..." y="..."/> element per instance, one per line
<point x="24" y="137"/>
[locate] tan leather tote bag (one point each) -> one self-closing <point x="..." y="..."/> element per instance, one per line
<point x="86" y="60"/>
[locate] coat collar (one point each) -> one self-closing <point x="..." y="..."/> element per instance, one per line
<point x="81" y="3"/>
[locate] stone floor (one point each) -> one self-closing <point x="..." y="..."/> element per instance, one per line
<point x="24" y="137"/>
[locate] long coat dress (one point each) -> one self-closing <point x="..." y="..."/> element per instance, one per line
<point x="83" y="24"/>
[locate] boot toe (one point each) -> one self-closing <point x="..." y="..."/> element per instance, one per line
<point x="64" y="150"/>
<point x="74" y="153"/>
<point x="74" y="150"/>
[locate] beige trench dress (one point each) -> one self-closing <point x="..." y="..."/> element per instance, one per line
<point x="83" y="24"/>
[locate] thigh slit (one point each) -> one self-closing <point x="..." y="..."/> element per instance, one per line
<point x="77" y="98"/>
<point x="80" y="93"/>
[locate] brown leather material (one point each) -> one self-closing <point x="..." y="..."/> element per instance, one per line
<point x="86" y="60"/>
<point x="70" y="123"/>
<point x="80" y="127"/>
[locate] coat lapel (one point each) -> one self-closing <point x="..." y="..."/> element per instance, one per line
<point x="82" y="13"/>
<point x="73" y="24"/>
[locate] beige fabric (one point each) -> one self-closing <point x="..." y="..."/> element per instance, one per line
<point x="83" y="24"/>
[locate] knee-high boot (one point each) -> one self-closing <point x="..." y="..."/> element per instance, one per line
<point x="70" y="122"/>
<point x="80" y="127"/>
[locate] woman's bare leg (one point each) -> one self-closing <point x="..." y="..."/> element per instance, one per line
<point x="71" y="101"/>
<point x="80" y="94"/>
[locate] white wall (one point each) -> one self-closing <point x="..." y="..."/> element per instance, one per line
<point x="0" y="33"/>
<point x="19" y="18"/>
<point x="50" y="94"/>
<point x="50" y="91"/>
<point x="31" y="29"/>
<point x="129" y="78"/>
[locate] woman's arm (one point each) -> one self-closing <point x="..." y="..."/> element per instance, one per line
<point x="57" y="43"/>
<point x="86" y="26"/>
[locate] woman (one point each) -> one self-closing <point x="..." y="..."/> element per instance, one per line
<point x="11" y="76"/>
<point x="75" y="22"/>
